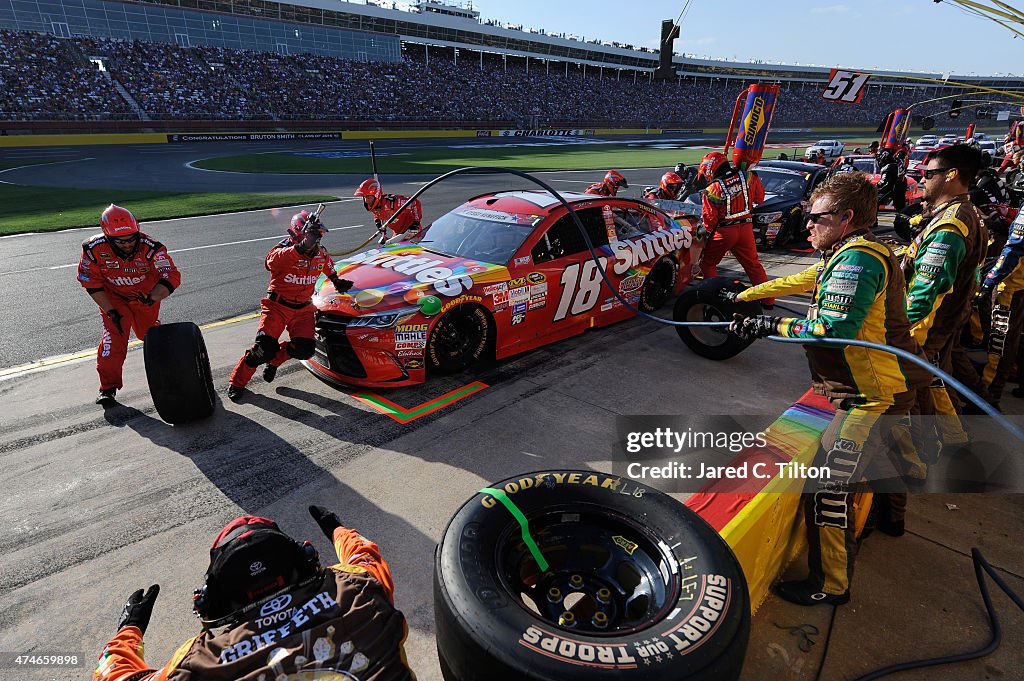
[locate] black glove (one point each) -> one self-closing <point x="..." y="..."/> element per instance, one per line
<point x="327" y="520"/>
<point x="984" y="293"/>
<point x="144" y="298"/>
<point x="340" y="285"/>
<point x="309" y="244"/>
<point x="115" y="318"/>
<point x="727" y="295"/>
<point x="139" y="609"/>
<point x="758" y="326"/>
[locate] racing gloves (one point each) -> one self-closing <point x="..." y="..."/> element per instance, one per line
<point x="340" y="285"/>
<point x="984" y="293"/>
<point x="327" y="520"/>
<point x="116" y="318"/>
<point x="757" y="326"/>
<point x="139" y="609"/>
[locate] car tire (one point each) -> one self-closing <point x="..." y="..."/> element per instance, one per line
<point x="461" y="337"/>
<point x="659" y="284"/>
<point x="178" y="372"/>
<point x="702" y="303"/>
<point x="676" y="605"/>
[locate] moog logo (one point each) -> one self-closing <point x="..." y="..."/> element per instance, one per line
<point x="275" y="605"/>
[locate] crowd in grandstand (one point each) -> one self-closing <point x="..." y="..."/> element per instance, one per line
<point x="45" y="77"/>
<point x="41" y="78"/>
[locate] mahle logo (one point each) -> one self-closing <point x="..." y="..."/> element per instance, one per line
<point x="754" y="121"/>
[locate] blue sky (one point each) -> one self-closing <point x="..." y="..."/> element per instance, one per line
<point x="900" y="34"/>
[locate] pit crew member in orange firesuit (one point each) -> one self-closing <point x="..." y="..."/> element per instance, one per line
<point x="269" y="610"/>
<point x="127" y="273"/>
<point x="383" y="206"/>
<point x="609" y="186"/>
<point x="727" y="214"/>
<point x="295" y="264"/>
<point x="669" y="189"/>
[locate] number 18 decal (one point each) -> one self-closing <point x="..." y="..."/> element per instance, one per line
<point x="580" y="292"/>
<point x="845" y="86"/>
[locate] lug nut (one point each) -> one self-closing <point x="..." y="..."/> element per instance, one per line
<point x="554" y="595"/>
<point x="600" y="620"/>
<point x="567" y="619"/>
<point x="604" y="595"/>
<point x="576" y="581"/>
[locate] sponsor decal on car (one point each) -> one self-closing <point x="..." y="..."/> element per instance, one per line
<point x="631" y="283"/>
<point x="525" y="260"/>
<point x="536" y="277"/>
<point x="459" y="301"/>
<point x="495" y="288"/>
<point x="536" y="303"/>
<point x="539" y="290"/>
<point x="515" y="283"/>
<point x="519" y="295"/>
<point x="500" y="298"/>
<point x="427" y="270"/>
<point x="518" y="318"/>
<point x="631" y="253"/>
<point x="411" y="335"/>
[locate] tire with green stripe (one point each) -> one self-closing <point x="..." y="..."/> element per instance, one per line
<point x="579" y="575"/>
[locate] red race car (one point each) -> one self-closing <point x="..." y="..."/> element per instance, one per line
<point x="501" y="274"/>
<point x="868" y="165"/>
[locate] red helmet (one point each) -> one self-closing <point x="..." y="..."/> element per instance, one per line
<point x="118" y="223"/>
<point x="710" y="164"/>
<point x="671" y="182"/>
<point x="370" y="191"/>
<point x="615" y="179"/>
<point x="301" y="221"/>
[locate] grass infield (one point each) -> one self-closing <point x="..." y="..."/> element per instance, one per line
<point x="47" y="209"/>
<point x="434" y="161"/>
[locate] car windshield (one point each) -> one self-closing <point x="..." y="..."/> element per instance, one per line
<point x="480" y="234"/>
<point x="864" y="165"/>
<point x="783" y="183"/>
<point x="918" y="155"/>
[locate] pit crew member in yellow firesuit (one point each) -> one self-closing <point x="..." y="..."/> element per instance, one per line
<point x="270" y="611"/>
<point x="858" y="292"/>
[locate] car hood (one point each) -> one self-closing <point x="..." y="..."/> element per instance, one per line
<point x="405" y="275"/>
<point x="775" y="202"/>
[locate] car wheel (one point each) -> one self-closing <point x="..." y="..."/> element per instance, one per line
<point x="702" y="303"/>
<point x="1015" y="185"/>
<point x="658" y="285"/>
<point x="637" y="586"/>
<point x="178" y="372"/>
<point x="460" y="338"/>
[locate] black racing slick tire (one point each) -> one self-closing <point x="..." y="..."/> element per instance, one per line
<point x="637" y="586"/>
<point x="702" y="303"/>
<point x="658" y="286"/>
<point x="460" y="338"/>
<point x="178" y="370"/>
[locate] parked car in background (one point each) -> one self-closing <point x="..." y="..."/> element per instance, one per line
<point x="927" y="142"/>
<point x="832" y="149"/>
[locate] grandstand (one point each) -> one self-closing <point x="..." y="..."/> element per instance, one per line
<point x="257" y="64"/>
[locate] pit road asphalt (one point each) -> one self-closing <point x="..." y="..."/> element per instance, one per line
<point x="100" y="502"/>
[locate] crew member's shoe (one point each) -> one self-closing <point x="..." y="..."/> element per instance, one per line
<point x="269" y="373"/>
<point x="802" y="593"/>
<point x="893" y="528"/>
<point x="235" y="393"/>
<point x="106" y="396"/>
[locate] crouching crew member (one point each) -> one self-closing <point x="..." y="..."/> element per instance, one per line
<point x="383" y="206"/>
<point x="126" y="273"/>
<point x="295" y="265"/>
<point x="280" y="615"/>
<point x="609" y="186"/>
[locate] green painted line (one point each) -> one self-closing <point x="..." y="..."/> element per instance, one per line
<point x="524" y="524"/>
<point x="403" y="415"/>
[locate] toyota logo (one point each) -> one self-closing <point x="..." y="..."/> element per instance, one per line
<point x="275" y="605"/>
